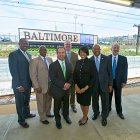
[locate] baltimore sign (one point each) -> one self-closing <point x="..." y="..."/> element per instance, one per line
<point x="46" y="36"/>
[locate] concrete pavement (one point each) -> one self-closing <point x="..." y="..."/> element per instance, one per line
<point x="117" y="129"/>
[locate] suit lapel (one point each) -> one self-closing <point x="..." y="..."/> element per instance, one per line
<point x="60" y="69"/>
<point x="111" y="58"/>
<point x="118" y="63"/>
<point x="71" y="57"/>
<point x="28" y="55"/>
<point x="93" y="60"/>
<point x="48" y="60"/>
<point x="22" y="55"/>
<point x="101" y="63"/>
<point x="42" y="63"/>
<point x="67" y="69"/>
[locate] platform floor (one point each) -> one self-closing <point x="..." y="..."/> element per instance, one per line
<point x="117" y="129"/>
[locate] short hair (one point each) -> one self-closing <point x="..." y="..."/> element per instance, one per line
<point x="42" y="46"/>
<point x="66" y="42"/>
<point x="84" y="49"/>
<point x="96" y="45"/>
<point x="60" y="47"/>
<point x="22" y="40"/>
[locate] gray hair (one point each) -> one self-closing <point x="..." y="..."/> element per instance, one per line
<point x="115" y="45"/>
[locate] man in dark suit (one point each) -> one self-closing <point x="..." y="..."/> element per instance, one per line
<point x="21" y="82"/>
<point x="61" y="78"/>
<point x="102" y="85"/>
<point x="120" y="70"/>
<point x="71" y="57"/>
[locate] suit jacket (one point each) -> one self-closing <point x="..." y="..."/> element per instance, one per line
<point x="58" y="80"/>
<point x="39" y="73"/>
<point x="73" y="59"/>
<point x="85" y="75"/>
<point x="121" y="70"/>
<point x="19" y="69"/>
<point x="104" y="77"/>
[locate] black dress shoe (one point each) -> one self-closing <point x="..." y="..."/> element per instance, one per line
<point x="59" y="125"/>
<point x="24" y="124"/>
<point x="45" y="122"/>
<point x="30" y="116"/>
<point x="95" y="116"/>
<point x="83" y="123"/>
<point x="121" y="116"/>
<point x="50" y="116"/>
<point x="104" y="122"/>
<point x="68" y="120"/>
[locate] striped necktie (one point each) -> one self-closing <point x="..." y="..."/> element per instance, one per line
<point x="97" y="63"/>
<point x="27" y="57"/>
<point x="47" y="67"/>
<point x="68" y="55"/>
<point x="114" y="68"/>
<point x="63" y="68"/>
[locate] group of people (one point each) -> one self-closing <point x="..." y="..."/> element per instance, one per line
<point x="87" y="78"/>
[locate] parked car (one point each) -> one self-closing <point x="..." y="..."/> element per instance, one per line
<point x="6" y="39"/>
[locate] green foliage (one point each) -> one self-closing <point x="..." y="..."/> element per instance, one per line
<point x="105" y="49"/>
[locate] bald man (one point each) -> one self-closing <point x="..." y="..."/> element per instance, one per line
<point x="39" y="73"/>
<point x="71" y="57"/>
<point x="102" y="85"/>
<point x="120" y="72"/>
<point x="21" y="82"/>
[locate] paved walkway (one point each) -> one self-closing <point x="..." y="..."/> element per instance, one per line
<point x="117" y="129"/>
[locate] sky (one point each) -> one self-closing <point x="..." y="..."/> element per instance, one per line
<point x="80" y="16"/>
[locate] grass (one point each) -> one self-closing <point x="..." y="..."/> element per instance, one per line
<point x="5" y="49"/>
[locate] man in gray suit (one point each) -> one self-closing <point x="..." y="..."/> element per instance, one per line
<point x="102" y="84"/>
<point x="61" y="78"/>
<point x="21" y="82"/>
<point x="39" y="73"/>
<point x="71" y="57"/>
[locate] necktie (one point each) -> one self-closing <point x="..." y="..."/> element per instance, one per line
<point x="97" y="63"/>
<point x="47" y="68"/>
<point x="114" y="68"/>
<point x="68" y="55"/>
<point x="63" y="68"/>
<point x="27" y="57"/>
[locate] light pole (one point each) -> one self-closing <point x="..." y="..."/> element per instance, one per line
<point x="82" y="27"/>
<point x="9" y="35"/>
<point x="138" y="37"/>
<point x="55" y="26"/>
<point x="75" y="22"/>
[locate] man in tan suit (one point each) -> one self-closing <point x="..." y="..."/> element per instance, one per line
<point x="40" y="78"/>
<point x="71" y="57"/>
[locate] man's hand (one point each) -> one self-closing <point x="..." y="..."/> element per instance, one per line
<point x="110" y="89"/>
<point x="21" y="89"/>
<point x="123" y="85"/>
<point x="38" y="90"/>
<point x="66" y="86"/>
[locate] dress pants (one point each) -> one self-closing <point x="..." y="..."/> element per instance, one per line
<point x="22" y="100"/>
<point x="64" y="103"/>
<point x="44" y="105"/>
<point x="117" y="94"/>
<point x="72" y="95"/>
<point x="104" y="102"/>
